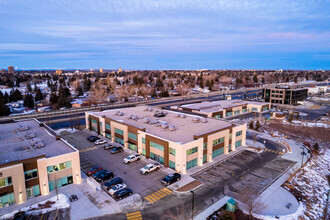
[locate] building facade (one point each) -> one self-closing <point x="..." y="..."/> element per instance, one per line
<point x="11" y="69"/>
<point x="224" y="108"/>
<point x="285" y="95"/>
<point x="34" y="167"/>
<point x="178" y="141"/>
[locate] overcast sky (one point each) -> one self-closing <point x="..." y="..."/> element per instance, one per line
<point x="165" y="34"/>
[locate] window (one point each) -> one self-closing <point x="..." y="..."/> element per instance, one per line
<point x="59" y="167"/>
<point x="118" y="131"/>
<point x="239" y="133"/>
<point x="107" y="126"/>
<point x="157" y="146"/>
<point x="204" y="158"/>
<point x="5" y="182"/>
<point x="132" y="136"/>
<point x="119" y="140"/>
<point x="94" y="121"/>
<point x="217" y="152"/>
<point x="265" y="108"/>
<point x="229" y="113"/>
<point x="218" y="141"/>
<point x="254" y="109"/>
<point x="192" y="150"/>
<point x="171" y="164"/>
<point x="204" y="146"/>
<point x="236" y="112"/>
<point x="8" y="199"/>
<point x="101" y="124"/>
<point x="230" y="136"/>
<point x="238" y="143"/>
<point x="229" y="147"/>
<point x="191" y="163"/>
<point x="157" y="158"/>
<point x="107" y="135"/>
<point x="172" y="151"/>
<point x="33" y="191"/>
<point x="30" y="174"/>
<point x="143" y="140"/>
<point x="143" y="151"/>
<point x="132" y="147"/>
<point x="217" y="116"/>
<point x="244" y="110"/>
<point x="60" y="182"/>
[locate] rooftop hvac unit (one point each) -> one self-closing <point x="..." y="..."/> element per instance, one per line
<point x="156" y="110"/>
<point x="178" y="115"/>
<point x="204" y="120"/>
<point x="29" y="136"/>
<point x="146" y="120"/>
<point x="39" y="145"/>
<point x="195" y="120"/>
<point x="183" y="116"/>
<point x="23" y="128"/>
<point x="34" y="141"/>
<point x="27" y="133"/>
<point x="164" y="126"/>
<point x="153" y="122"/>
<point x="117" y="112"/>
<point x="150" y="109"/>
<point x="172" y="128"/>
<point x="135" y="117"/>
<point x="145" y="109"/>
<point x="130" y="116"/>
<point x="164" y="112"/>
<point x="158" y="125"/>
<point x="121" y="113"/>
<point x="159" y="114"/>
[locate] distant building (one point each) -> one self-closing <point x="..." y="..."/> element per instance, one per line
<point x="120" y="69"/>
<point x="33" y="159"/>
<point x="285" y="95"/>
<point x="177" y="140"/>
<point x="101" y="70"/>
<point x="225" y="108"/>
<point x="11" y="69"/>
<point x="59" y="72"/>
<point x="3" y="71"/>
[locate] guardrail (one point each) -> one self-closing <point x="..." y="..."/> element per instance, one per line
<point x="118" y="105"/>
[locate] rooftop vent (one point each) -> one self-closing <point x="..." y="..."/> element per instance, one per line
<point x="196" y="120"/>
<point x="39" y="145"/>
<point x="146" y="120"/>
<point x="34" y="141"/>
<point x="120" y="113"/>
<point x="204" y="120"/>
<point x="150" y="109"/>
<point x="164" y="126"/>
<point x="153" y="122"/>
<point x="117" y="112"/>
<point x="145" y="109"/>
<point x="172" y="128"/>
<point x="31" y="135"/>
<point x="23" y="128"/>
<point x="158" y="125"/>
<point x="159" y="115"/>
<point x="183" y="116"/>
<point x="178" y="115"/>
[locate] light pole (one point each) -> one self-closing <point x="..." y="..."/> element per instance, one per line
<point x="302" y="158"/>
<point x="193" y="204"/>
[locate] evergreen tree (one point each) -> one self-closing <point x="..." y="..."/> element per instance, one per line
<point x="39" y="95"/>
<point x="4" y="110"/>
<point x="290" y="118"/>
<point x="251" y="125"/>
<point x="79" y="90"/>
<point x="316" y="146"/>
<point x="258" y="125"/>
<point x="28" y="87"/>
<point x="53" y="98"/>
<point x="28" y="101"/>
<point x="255" y="79"/>
<point x="87" y="84"/>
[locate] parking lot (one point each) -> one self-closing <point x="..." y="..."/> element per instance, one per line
<point x="245" y="169"/>
<point x="92" y="155"/>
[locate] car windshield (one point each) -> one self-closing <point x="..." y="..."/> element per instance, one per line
<point x="128" y="157"/>
<point x="114" y="188"/>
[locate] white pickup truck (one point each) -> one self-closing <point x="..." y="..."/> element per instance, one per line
<point x="149" y="168"/>
<point x="132" y="158"/>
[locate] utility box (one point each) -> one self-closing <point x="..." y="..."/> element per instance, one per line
<point x="231" y="205"/>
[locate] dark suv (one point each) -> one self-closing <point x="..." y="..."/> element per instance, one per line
<point x="116" y="150"/>
<point x="171" y="178"/>
<point x="122" y="193"/>
<point x="92" y="138"/>
<point x="113" y="182"/>
<point x="98" y="173"/>
<point x="104" y="176"/>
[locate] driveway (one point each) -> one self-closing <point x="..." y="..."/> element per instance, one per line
<point x="91" y="155"/>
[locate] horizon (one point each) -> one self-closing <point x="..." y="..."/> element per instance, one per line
<point x="165" y="35"/>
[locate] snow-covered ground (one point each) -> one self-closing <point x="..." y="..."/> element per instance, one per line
<point x="312" y="182"/>
<point x="307" y="124"/>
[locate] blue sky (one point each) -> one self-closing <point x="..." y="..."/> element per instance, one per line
<point x="165" y="34"/>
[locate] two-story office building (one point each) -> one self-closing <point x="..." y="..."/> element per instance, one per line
<point x="179" y="141"/>
<point x="224" y="108"/>
<point x="285" y="95"/>
<point x="34" y="161"/>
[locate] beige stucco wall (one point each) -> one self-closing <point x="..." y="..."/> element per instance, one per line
<point x="16" y="172"/>
<point x="210" y="140"/>
<point x="241" y="137"/>
<point x="124" y="128"/>
<point x="45" y="162"/>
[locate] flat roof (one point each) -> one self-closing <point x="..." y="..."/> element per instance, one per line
<point x="186" y="128"/>
<point x="209" y="107"/>
<point x="15" y="146"/>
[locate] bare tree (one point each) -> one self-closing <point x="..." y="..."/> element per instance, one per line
<point x="249" y="197"/>
<point x="55" y="183"/>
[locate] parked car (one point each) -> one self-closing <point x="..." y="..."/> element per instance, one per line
<point x="117" y="188"/>
<point x="149" y="168"/>
<point x="113" y="182"/>
<point x="122" y="193"/>
<point x="92" y="138"/>
<point x="171" y="178"/>
<point x="104" y="176"/>
<point x="116" y="150"/>
<point x="109" y="146"/>
<point x="94" y="170"/>
<point x="131" y="158"/>
<point x="100" y="141"/>
<point x="98" y="173"/>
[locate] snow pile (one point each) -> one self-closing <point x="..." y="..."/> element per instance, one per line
<point x="62" y="203"/>
<point x="66" y="129"/>
<point x="307" y="124"/>
<point x="312" y="183"/>
<point x="321" y="99"/>
<point x="293" y="216"/>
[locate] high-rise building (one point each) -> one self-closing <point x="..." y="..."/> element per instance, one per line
<point x="11" y="69"/>
<point x="101" y="70"/>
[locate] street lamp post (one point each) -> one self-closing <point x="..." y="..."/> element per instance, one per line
<point x="193" y="204"/>
<point x="302" y="158"/>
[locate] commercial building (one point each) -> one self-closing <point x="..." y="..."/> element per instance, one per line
<point x="3" y="71"/>
<point x="11" y="69"/>
<point x="285" y="95"/>
<point x="178" y="141"/>
<point x="34" y="161"/>
<point x="224" y="108"/>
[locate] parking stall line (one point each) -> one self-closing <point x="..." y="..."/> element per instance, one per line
<point x="153" y="195"/>
<point x="167" y="191"/>
<point x="149" y="199"/>
<point x="159" y="194"/>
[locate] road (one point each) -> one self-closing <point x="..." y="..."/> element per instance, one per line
<point x="179" y="206"/>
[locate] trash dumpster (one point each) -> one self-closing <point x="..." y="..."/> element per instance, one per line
<point x="231" y="205"/>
